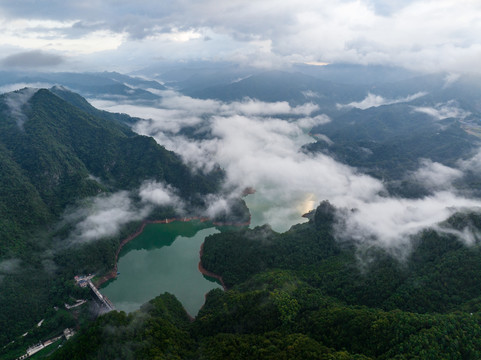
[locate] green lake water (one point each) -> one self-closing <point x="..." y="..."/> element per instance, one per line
<point x="164" y="258"/>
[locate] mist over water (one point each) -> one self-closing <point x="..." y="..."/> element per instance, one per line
<point x="278" y="215"/>
<point x="259" y="145"/>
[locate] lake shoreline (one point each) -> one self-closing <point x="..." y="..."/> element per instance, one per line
<point x="113" y="273"/>
<point x="208" y="273"/>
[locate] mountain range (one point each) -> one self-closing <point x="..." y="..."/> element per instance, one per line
<point x="317" y="291"/>
<point x="56" y="152"/>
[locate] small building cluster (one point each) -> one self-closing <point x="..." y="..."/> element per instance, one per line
<point x="67" y="333"/>
<point x="82" y="280"/>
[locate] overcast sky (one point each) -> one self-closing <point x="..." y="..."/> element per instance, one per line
<point x="128" y="35"/>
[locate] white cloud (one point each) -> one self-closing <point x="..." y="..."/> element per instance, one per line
<point x="10" y="266"/>
<point x="450" y="79"/>
<point x="166" y="119"/>
<point x="444" y="111"/>
<point x="308" y="122"/>
<point x="310" y="94"/>
<point x="264" y="152"/>
<point x="103" y="217"/>
<point x="372" y="100"/>
<point x="323" y="138"/>
<point x="175" y="111"/>
<point x="436" y="176"/>
<point x="22" y="85"/>
<point x="425" y="35"/>
<point x="252" y="107"/>
<point x="156" y="193"/>
<point x="159" y="194"/>
<point x="16" y="101"/>
<point x="390" y="221"/>
<point x="472" y="164"/>
<point x="469" y="235"/>
<point x="36" y="34"/>
<point x="217" y="204"/>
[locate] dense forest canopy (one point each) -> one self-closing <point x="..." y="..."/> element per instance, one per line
<point x="338" y="286"/>
<point x="303" y="295"/>
<point x="59" y="156"/>
<point x="330" y="151"/>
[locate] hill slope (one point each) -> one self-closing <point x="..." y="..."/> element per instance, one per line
<point x="303" y="295"/>
<point x="55" y="151"/>
<point x="52" y="155"/>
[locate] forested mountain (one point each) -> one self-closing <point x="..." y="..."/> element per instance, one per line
<point x="57" y="151"/>
<point x="105" y="85"/>
<point x="197" y="75"/>
<point x="356" y="73"/>
<point x="389" y="141"/>
<point x="311" y="292"/>
<point x="194" y="76"/>
<point x="305" y="295"/>
<point x="53" y="154"/>
<point x="296" y="88"/>
<point x="203" y="180"/>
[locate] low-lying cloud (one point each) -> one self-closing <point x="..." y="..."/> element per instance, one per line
<point x="263" y="152"/>
<point x="372" y="100"/>
<point x="390" y="222"/>
<point x="22" y="85"/>
<point x="435" y="175"/>
<point x="443" y="111"/>
<point x="16" y="101"/>
<point x="308" y="123"/>
<point x="450" y="79"/>
<point x="175" y="111"/>
<point x="10" y="266"/>
<point x="159" y="194"/>
<point x="104" y="215"/>
<point x="472" y="164"/>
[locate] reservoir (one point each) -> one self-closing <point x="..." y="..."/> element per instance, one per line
<point x="163" y="258"/>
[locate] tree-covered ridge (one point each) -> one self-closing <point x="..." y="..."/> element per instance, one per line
<point x="304" y="295"/>
<point x="440" y="265"/>
<point x="54" y="154"/>
<point x="61" y="154"/>
<point x="388" y="142"/>
<point x="106" y="85"/>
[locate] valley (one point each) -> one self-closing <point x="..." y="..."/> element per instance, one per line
<point x="212" y="180"/>
<point x="388" y="192"/>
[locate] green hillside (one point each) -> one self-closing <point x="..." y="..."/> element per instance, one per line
<point x="53" y="154"/>
<point x="302" y="295"/>
<point x="52" y="160"/>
